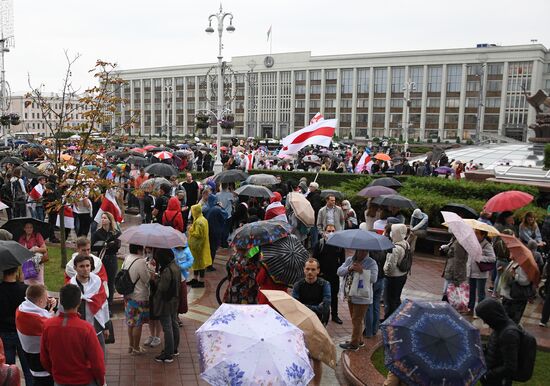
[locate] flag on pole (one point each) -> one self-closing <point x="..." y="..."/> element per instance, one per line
<point x="320" y="133"/>
<point x="110" y="205"/>
<point x="363" y="161"/>
<point x="316" y="118"/>
<point x="269" y="32"/>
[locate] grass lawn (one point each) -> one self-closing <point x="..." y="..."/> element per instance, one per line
<point x="54" y="274"/>
<point x="540" y="376"/>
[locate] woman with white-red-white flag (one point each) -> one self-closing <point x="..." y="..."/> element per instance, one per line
<point x="275" y="210"/>
<point x="35" y="203"/>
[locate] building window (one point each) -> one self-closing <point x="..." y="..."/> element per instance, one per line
<point x="346" y="82"/>
<point x="453" y="103"/>
<point x="315" y="75"/>
<point x="433" y="102"/>
<point x="492" y="103"/>
<point x="330" y="89"/>
<point x="314" y="104"/>
<point x="300" y="104"/>
<point x="397" y="79"/>
<point x="416" y="75"/>
<point x="363" y="80"/>
<point x="331" y="74"/>
<point x="346" y="103"/>
<point x="434" y="78"/>
<point x="494" y="85"/>
<point x="396" y="102"/>
<point x="472" y="102"/>
<point x="379" y="103"/>
<point x="454" y="77"/>
<point x="362" y="102"/>
<point x="300" y="75"/>
<point x="363" y="118"/>
<point x="315" y="89"/>
<point x="330" y="103"/>
<point x="380" y="80"/>
<point x="494" y="69"/>
<point x="300" y="89"/>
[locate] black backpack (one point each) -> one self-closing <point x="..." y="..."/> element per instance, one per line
<point x="527" y="354"/>
<point x="123" y="282"/>
<point x="406" y="262"/>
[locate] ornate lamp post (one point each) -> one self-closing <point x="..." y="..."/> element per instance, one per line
<point x="219" y="17"/>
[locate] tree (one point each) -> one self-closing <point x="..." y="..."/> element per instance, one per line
<point x="96" y="105"/>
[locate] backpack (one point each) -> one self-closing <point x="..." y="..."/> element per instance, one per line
<point x="169" y="223"/>
<point x="123" y="282"/>
<point x="527" y="354"/>
<point x="18" y="194"/>
<point x="406" y="262"/>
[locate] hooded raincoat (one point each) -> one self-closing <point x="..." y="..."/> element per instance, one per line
<point x="198" y="239"/>
<point x="172" y="215"/>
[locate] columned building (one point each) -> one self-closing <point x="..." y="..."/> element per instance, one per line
<point x="446" y="93"/>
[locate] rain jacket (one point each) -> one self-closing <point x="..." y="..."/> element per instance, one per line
<point x="198" y="239"/>
<point x="501" y="350"/>
<point x="455" y="268"/>
<point x="215" y="216"/>
<point x="172" y="215"/>
<point x="398" y="235"/>
<point x="487" y="256"/>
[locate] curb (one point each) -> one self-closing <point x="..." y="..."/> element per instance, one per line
<point x="371" y="375"/>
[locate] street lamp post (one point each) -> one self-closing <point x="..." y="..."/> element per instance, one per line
<point x="219" y="17"/>
<point x="407" y="88"/>
<point x="168" y="92"/>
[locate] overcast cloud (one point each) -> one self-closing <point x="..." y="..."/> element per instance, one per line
<point x="140" y="34"/>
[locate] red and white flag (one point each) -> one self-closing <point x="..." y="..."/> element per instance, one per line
<point x="68" y="218"/>
<point x="37" y="192"/>
<point x="319" y="133"/>
<point x="250" y="163"/>
<point x="96" y="299"/>
<point x="363" y="161"/>
<point x="275" y="211"/>
<point x="110" y="205"/>
<point x="316" y="118"/>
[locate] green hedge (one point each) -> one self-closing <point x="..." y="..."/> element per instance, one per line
<point x="547" y="156"/>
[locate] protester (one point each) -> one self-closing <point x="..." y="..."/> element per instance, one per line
<point x="215" y="216"/>
<point x="395" y="278"/>
<point x="330" y="258"/>
<point x="330" y="214"/>
<point x="455" y="266"/>
<point x="83" y="247"/>
<point x="30" y="318"/>
<point x="478" y="277"/>
<point x="139" y="180"/>
<point x="418" y="227"/>
<point x="172" y="216"/>
<point x="357" y="305"/>
<point x="34" y="242"/>
<point x="314" y="198"/>
<point x="199" y="245"/>
<point x="19" y="194"/>
<point x="242" y="270"/>
<point x="350" y="217"/>
<point x="505" y="220"/>
<point x="69" y="349"/>
<point x="227" y="201"/>
<point x="515" y="289"/>
<point x="275" y="210"/>
<point x="529" y="230"/>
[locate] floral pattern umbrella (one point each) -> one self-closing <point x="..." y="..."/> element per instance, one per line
<point x="252" y="345"/>
<point x="260" y="233"/>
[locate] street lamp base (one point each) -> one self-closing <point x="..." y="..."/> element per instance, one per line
<point x="218" y="167"/>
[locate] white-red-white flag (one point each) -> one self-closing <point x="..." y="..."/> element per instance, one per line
<point x="320" y="133"/>
<point x="316" y="118"/>
<point x="96" y="298"/>
<point x="363" y="161"/>
<point x="36" y="192"/>
<point x="68" y="218"/>
<point x="110" y="205"/>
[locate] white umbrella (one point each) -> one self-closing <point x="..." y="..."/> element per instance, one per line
<point x="464" y="234"/>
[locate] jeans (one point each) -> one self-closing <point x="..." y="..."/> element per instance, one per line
<point x="38" y="213"/>
<point x="357" y="312"/>
<point x="393" y="292"/>
<point x="111" y="268"/>
<point x="171" y="331"/>
<point x="372" y="317"/>
<point x="480" y="285"/>
<point x="12" y="345"/>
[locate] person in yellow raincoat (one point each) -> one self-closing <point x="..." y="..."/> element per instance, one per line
<point x="199" y="245"/>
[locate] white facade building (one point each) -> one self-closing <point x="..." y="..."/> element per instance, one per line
<point x="455" y="91"/>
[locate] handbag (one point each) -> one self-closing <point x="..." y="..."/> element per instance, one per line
<point x="360" y="285"/>
<point x="485" y="266"/>
<point x="109" y="327"/>
<point x="183" y="307"/>
<point x="29" y="270"/>
<point x="458" y="296"/>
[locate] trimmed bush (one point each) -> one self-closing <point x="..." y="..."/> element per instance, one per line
<point x="547" y="156"/>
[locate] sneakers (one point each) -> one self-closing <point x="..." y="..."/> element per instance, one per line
<point x="148" y="341"/>
<point x="155" y="342"/>
<point x="349" y="346"/>
<point x="543" y="324"/>
<point x="164" y="358"/>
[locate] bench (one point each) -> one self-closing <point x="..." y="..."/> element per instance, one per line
<point x="437" y="237"/>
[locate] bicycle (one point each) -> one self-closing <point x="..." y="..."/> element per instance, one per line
<point x="221" y="288"/>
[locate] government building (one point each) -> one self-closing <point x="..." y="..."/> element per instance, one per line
<point x="445" y="93"/>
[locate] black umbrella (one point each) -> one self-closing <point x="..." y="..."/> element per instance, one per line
<point x="161" y="169"/>
<point x="30" y="171"/>
<point x="156" y="149"/>
<point x="394" y="200"/>
<point x="13" y="254"/>
<point x="136" y="160"/>
<point x="11" y="160"/>
<point x="329" y="192"/>
<point x="388" y="182"/>
<point x="254" y="191"/>
<point x="462" y="210"/>
<point x="15" y="226"/>
<point x="285" y="259"/>
<point x="229" y="176"/>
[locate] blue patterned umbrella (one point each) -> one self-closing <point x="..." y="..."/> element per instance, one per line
<point x="429" y="343"/>
<point x="260" y="233"/>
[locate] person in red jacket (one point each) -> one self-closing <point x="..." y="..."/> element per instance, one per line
<point x="172" y="215"/>
<point x="69" y="348"/>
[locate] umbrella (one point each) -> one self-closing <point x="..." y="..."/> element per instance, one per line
<point x="285" y="260"/>
<point x="302" y="208"/>
<point x="163" y="155"/>
<point x="394" y="200"/>
<point x="136" y="160"/>
<point x="11" y="160"/>
<point x="360" y="239"/>
<point x="463" y="233"/>
<point x="138" y="151"/>
<point x="318" y="341"/>
<point x="44" y="166"/>
<point x="65" y="157"/>
<point x="475" y="224"/>
<point x="260" y="233"/>
<point x="13" y="254"/>
<point x="523" y="256"/>
<point x="154" y="183"/>
<point x="229" y="176"/>
<point x="388" y="182"/>
<point x="15" y="226"/>
<point x="444" y="170"/>
<point x="375" y="191"/>
<point x="155" y="149"/>
<point x="254" y="191"/>
<point x="114" y="153"/>
<point x="382" y="157"/>
<point x="463" y="211"/>
<point x="262" y="179"/>
<point x="510" y="200"/>
<point x="149" y="147"/>
<point x="329" y="192"/>
<point x="430" y="343"/>
<point x="154" y="235"/>
<point x="312" y="159"/>
<point x="30" y="171"/>
<point x="3" y="206"/>
<point x="252" y="345"/>
<point x="160" y="169"/>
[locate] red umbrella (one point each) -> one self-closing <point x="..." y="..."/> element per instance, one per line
<point x="510" y="200"/>
<point x="149" y="147"/>
<point x="163" y="155"/>
<point x="139" y="150"/>
<point x="523" y="256"/>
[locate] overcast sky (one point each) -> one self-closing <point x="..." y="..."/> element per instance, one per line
<point x="140" y="34"/>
